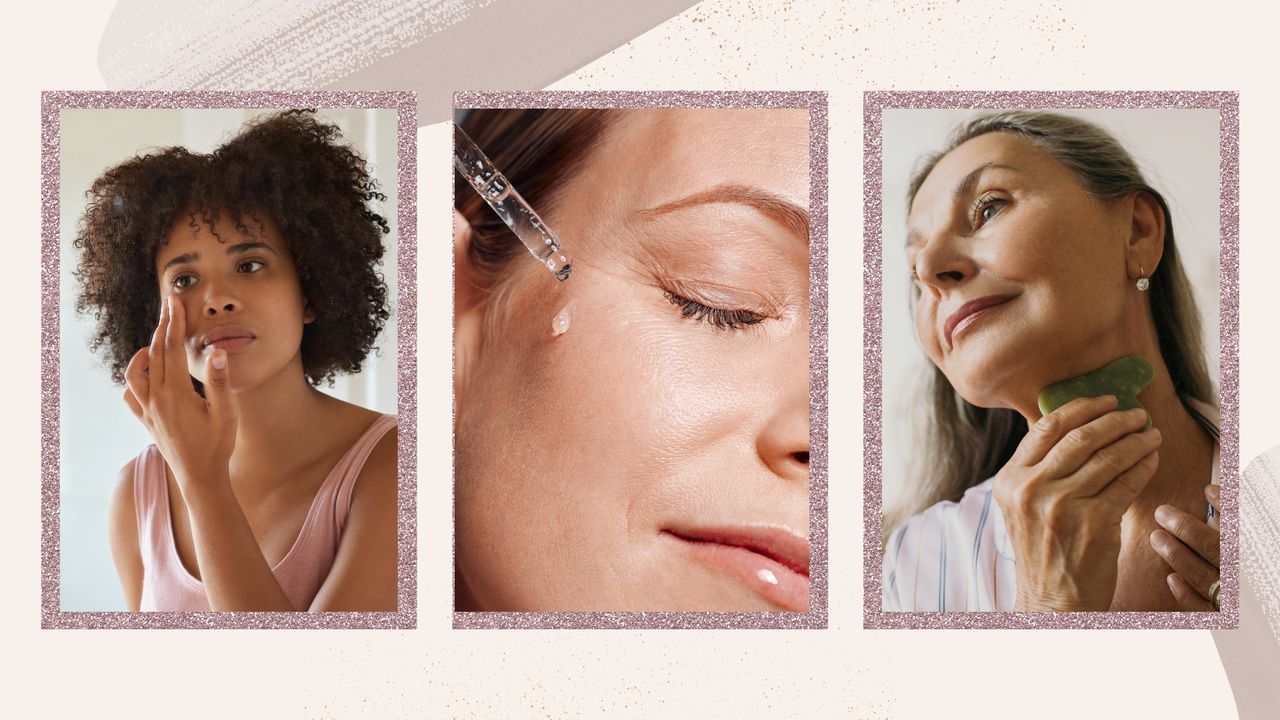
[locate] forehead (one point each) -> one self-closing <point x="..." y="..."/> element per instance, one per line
<point x="1026" y="159"/>
<point x="649" y="157"/>
<point x="191" y="232"/>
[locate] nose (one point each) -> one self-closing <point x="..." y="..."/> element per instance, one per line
<point x="942" y="263"/>
<point x="783" y="443"/>
<point x="218" y="300"/>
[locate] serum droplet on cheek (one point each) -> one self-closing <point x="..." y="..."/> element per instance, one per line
<point x="560" y="323"/>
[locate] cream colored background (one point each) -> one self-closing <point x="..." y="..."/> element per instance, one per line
<point x="844" y="671"/>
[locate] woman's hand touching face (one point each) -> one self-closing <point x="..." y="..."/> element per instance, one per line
<point x="1063" y="495"/>
<point x="195" y="435"/>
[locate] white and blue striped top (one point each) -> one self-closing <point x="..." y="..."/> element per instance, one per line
<point x="954" y="556"/>
<point x="957" y="557"/>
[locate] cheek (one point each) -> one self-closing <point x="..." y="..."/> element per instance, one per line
<point x="926" y="333"/>
<point x="569" y="445"/>
<point x="626" y="394"/>
<point x="1069" y="267"/>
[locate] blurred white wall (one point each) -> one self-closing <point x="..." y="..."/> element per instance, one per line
<point x="1177" y="150"/>
<point x="98" y="433"/>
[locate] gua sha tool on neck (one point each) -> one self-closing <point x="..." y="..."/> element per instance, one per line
<point x="1124" y="378"/>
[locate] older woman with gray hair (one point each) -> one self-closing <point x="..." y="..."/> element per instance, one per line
<point x="1071" y="457"/>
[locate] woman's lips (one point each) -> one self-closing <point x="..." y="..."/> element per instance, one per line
<point x="772" y="562"/>
<point x="230" y="345"/>
<point x="970" y="313"/>
<point x="229" y="338"/>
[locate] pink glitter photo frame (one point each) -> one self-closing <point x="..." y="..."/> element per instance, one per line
<point x="875" y="106"/>
<point x="816" y="617"/>
<point x="404" y="105"/>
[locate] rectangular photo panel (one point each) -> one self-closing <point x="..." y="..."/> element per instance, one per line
<point x="640" y="360"/>
<point x="228" y="360"/>
<point x="1051" y="294"/>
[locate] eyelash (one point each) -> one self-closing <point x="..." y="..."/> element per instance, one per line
<point x="174" y="282"/>
<point x="980" y="205"/>
<point x="719" y="318"/>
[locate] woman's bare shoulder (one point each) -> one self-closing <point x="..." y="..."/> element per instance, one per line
<point x="123" y="534"/>
<point x="364" y="574"/>
<point x="122" y="496"/>
<point x="380" y="469"/>
<point x="347" y="420"/>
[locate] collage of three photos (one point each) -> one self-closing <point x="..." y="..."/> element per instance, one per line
<point x="1049" y="400"/>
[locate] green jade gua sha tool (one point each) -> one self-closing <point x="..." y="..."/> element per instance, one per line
<point x="1124" y="378"/>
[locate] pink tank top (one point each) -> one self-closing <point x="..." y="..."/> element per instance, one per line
<point x="166" y="584"/>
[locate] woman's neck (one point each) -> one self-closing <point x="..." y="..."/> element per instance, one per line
<point x="281" y="417"/>
<point x="1186" y="449"/>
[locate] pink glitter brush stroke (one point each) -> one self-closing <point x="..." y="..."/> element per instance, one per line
<point x="405" y="104"/>
<point x="816" y="617"/>
<point x="1227" y="104"/>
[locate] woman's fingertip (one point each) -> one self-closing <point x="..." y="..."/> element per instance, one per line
<point x="219" y="359"/>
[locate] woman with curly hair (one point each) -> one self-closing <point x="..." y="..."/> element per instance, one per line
<point x="226" y="287"/>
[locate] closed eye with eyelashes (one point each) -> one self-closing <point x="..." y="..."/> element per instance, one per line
<point x="719" y="318"/>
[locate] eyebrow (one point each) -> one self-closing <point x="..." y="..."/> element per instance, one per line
<point x="963" y="188"/>
<point x="786" y="213"/>
<point x="967" y="183"/>
<point x="237" y="249"/>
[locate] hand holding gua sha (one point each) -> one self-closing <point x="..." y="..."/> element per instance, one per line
<point x="1124" y="378"/>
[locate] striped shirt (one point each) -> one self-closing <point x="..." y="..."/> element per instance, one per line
<point x="957" y="557"/>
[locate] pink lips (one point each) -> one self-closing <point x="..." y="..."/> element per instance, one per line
<point x="230" y="338"/>
<point x="772" y="561"/>
<point x="971" y="312"/>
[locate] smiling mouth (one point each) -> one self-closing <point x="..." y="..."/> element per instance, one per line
<point x="970" y="313"/>
<point x="770" y="561"/>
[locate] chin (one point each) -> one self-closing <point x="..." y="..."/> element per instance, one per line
<point x="991" y="382"/>
<point x="980" y="395"/>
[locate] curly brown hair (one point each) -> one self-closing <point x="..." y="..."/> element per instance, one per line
<point x="287" y="166"/>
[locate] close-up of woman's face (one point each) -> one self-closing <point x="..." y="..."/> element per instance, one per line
<point x="240" y="292"/>
<point x="654" y="455"/>
<point x="1021" y="275"/>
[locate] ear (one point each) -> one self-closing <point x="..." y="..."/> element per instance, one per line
<point x="1145" y="245"/>
<point x="308" y="314"/>
<point x="468" y="313"/>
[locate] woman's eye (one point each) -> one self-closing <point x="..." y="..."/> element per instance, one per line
<point x="183" y="281"/>
<point x="720" y="318"/>
<point x="250" y="266"/>
<point x="986" y="208"/>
